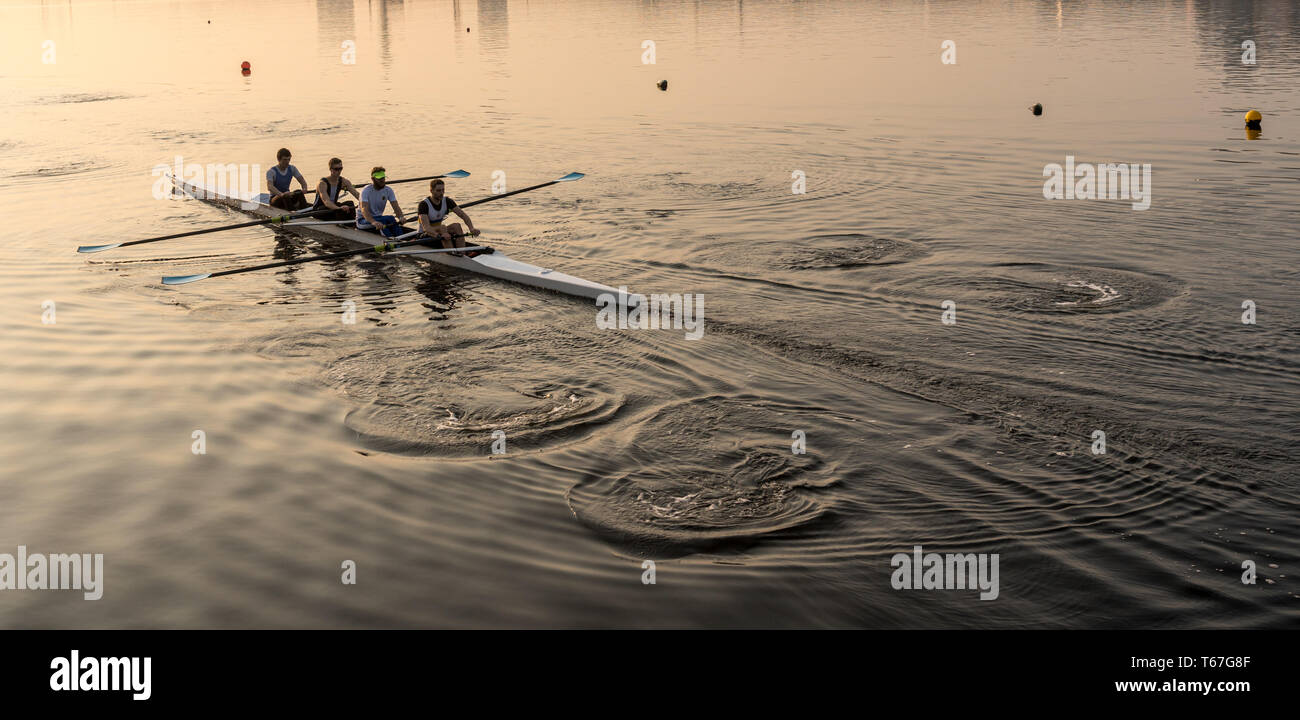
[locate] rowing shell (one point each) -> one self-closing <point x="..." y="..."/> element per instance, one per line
<point x="495" y="264"/>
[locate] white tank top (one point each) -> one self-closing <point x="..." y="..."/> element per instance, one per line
<point x="436" y="214"/>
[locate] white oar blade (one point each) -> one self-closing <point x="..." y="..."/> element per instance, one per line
<point x="571" y="176"/>
<point x="457" y="174"/>
<point x="97" y="248"/>
<point x="182" y="279"/>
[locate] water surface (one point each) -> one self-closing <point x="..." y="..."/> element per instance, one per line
<point x="371" y="442"/>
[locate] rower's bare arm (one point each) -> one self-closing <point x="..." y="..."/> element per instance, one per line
<point x="301" y="180"/>
<point x="470" y="223"/>
<point x="401" y="217"/>
<point x="322" y="193"/>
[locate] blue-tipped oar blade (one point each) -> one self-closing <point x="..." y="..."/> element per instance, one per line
<point x="97" y="248"/>
<point x="457" y="174"/>
<point x="571" y="176"/>
<point x="182" y="279"/>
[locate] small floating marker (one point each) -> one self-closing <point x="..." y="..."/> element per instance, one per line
<point x="1037" y="108"/>
<point x="246" y="68"/>
<point x="663" y="84"/>
<point x="1253" y="119"/>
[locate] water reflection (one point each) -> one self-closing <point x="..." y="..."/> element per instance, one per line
<point x="1224" y="28"/>
<point x="336" y="23"/>
<point x="384" y="31"/>
<point x="494" y="34"/>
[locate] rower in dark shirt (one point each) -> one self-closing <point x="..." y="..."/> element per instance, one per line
<point x="328" y="191"/>
<point x="434" y="209"/>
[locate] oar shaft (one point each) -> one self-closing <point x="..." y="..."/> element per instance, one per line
<point x="431" y="251"/>
<point x="407" y="180"/>
<point x="265" y="221"/>
<point x="403" y="180"/>
<point x="490" y="198"/>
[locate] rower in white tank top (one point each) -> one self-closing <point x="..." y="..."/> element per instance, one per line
<point x="434" y="209"/>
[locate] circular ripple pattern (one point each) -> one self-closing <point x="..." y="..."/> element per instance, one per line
<point x="710" y="475"/>
<point x="847" y="251"/>
<point x="426" y="401"/>
<point x="1041" y="288"/>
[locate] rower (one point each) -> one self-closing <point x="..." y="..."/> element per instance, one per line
<point x="374" y="198"/>
<point x="327" y="194"/>
<point x="279" y="179"/>
<point x="434" y="209"/>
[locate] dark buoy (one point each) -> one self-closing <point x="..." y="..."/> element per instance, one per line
<point x="466" y="29"/>
<point x="663" y="84"/>
<point x="1253" y="119"/>
<point x="1037" y="108"/>
<point x="246" y="68"/>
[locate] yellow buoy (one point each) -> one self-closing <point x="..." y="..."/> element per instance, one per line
<point x="1253" y="119"/>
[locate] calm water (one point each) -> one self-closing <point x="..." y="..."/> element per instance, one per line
<point x="371" y="442"/>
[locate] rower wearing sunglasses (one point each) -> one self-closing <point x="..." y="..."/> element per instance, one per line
<point x="328" y="191"/>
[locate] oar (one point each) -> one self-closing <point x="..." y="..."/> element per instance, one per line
<point x="320" y="222"/>
<point x="452" y="174"/>
<point x="266" y="221"/>
<point x="382" y="248"/>
<point x="440" y="250"/>
<point x="567" y="178"/>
